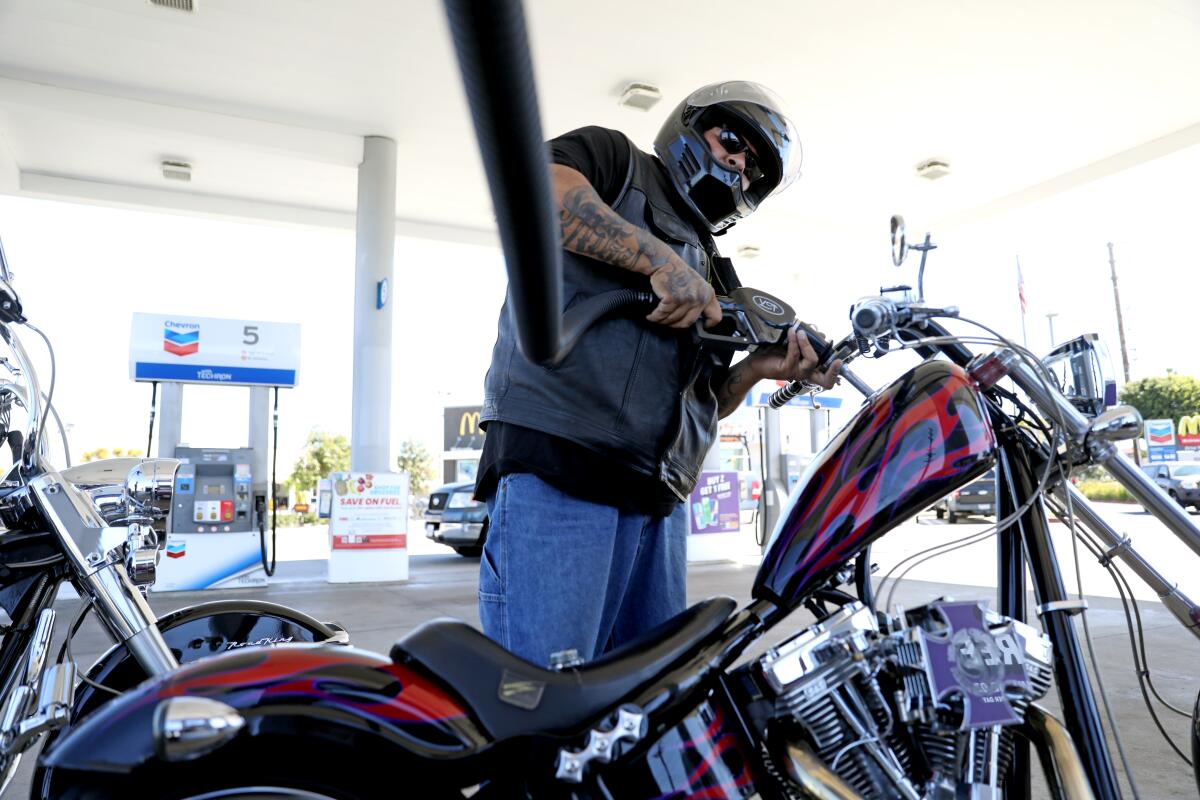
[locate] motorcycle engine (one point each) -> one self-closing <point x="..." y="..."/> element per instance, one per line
<point x="921" y="710"/>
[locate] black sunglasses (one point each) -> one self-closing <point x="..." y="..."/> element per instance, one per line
<point x="734" y="142"/>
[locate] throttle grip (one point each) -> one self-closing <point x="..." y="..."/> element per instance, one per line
<point x="781" y="396"/>
<point x="822" y="347"/>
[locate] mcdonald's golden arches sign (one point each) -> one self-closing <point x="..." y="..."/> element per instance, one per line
<point x="460" y="429"/>
<point x="1189" y="431"/>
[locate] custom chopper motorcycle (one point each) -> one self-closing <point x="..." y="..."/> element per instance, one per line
<point x="936" y="701"/>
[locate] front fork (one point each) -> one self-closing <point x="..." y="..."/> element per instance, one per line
<point x="89" y="544"/>
<point x="1019" y="482"/>
<point x="1011" y="581"/>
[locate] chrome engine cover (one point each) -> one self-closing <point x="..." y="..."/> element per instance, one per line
<point x="918" y="709"/>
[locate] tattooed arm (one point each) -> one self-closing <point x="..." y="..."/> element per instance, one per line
<point x="590" y="228"/>
<point x="742" y="377"/>
<point x="796" y="361"/>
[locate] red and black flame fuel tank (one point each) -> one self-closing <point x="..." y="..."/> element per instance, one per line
<point x="911" y="444"/>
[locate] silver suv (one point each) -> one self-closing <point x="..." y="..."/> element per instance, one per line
<point x="1181" y="480"/>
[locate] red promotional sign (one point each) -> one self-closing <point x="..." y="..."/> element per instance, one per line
<point x="370" y="512"/>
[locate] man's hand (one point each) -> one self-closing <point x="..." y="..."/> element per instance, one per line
<point x="795" y="362"/>
<point x="590" y="228"/>
<point x="683" y="296"/>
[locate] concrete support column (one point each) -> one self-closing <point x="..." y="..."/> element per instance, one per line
<point x="260" y="439"/>
<point x="170" y="418"/>
<point x="375" y="246"/>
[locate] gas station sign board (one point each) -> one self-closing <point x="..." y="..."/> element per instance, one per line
<point x="183" y="349"/>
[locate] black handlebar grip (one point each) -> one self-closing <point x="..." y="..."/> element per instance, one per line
<point x="780" y="397"/>
<point x="822" y="347"/>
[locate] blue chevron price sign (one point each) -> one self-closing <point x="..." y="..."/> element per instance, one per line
<point x="184" y="349"/>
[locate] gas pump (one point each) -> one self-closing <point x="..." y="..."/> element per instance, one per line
<point x="212" y="491"/>
<point x="216" y="535"/>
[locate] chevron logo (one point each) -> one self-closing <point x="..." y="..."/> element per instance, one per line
<point x="181" y="342"/>
<point x="1160" y="432"/>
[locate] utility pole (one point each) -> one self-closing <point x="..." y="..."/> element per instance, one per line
<point x="1112" y="263"/>
<point x="1050" y="318"/>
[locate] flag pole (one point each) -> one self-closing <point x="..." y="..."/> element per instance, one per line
<point x="1021" y="302"/>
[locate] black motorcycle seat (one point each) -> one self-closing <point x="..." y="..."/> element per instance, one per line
<point x="511" y="696"/>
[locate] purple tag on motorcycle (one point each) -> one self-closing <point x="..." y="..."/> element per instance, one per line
<point x="976" y="662"/>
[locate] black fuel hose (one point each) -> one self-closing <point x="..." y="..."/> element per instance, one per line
<point x="269" y="565"/>
<point x="582" y="316"/>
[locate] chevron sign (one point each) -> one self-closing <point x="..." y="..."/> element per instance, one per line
<point x="181" y="338"/>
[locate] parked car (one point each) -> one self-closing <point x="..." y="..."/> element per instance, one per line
<point x="977" y="497"/>
<point x="454" y="518"/>
<point x="1181" y="480"/>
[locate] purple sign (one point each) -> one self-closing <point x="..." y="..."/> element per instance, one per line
<point x="715" y="504"/>
<point x="976" y="662"/>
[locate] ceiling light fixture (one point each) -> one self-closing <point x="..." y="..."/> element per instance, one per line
<point x="933" y="168"/>
<point x="176" y="170"/>
<point x="179" y="5"/>
<point x="642" y="96"/>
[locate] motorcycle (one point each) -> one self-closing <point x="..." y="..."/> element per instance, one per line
<point x="936" y="701"/>
<point x="100" y="527"/>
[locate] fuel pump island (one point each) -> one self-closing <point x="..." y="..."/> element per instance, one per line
<point x="216" y="531"/>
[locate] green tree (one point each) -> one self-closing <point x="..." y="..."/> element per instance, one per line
<point x="101" y="453"/>
<point x="415" y="459"/>
<point x="323" y="453"/>
<point x="1171" y="397"/>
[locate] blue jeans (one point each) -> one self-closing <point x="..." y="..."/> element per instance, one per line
<point x="561" y="573"/>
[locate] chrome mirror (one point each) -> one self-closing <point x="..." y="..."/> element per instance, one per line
<point x="121" y="488"/>
<point x="1117" y="424"/>
<point x="899" y="243"/>
<point x="148" y="490"/>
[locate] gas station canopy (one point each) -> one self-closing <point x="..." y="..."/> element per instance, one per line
<point x="256" y="110"/>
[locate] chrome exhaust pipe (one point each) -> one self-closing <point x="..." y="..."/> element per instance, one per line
<point x="1061" y="764"/>
<point x="809" y="772"/>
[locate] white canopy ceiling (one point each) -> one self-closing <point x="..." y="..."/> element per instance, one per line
<point x="269" y="99"/>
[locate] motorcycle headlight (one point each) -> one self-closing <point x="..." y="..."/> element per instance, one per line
<point x="462" y="500"/>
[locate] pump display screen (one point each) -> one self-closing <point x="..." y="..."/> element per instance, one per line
<point x="214" y="488"/>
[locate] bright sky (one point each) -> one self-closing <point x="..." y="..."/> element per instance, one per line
<point x="83" y="270"/>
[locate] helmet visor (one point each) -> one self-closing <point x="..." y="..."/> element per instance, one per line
<point x="761" y="111"/>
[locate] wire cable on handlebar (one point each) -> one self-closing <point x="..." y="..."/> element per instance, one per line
<point x="1097" y="549"/>
<point x="1049" y="382"/>
<point x="53" y="375"/>
<point x="948" y="547"/>
<point x="1087" y="637"/>
<point x="65" y="650"/>
<point x="1055" y="441"/>
<point x="1141" y="666"/>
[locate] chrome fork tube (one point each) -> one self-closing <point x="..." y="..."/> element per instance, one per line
<point x="1120" y="547"/>
<point x="1145" y="491"/>
<point x="87" y="542"/>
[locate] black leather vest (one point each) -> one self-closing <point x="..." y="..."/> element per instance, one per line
<point x="632" y="390"/>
